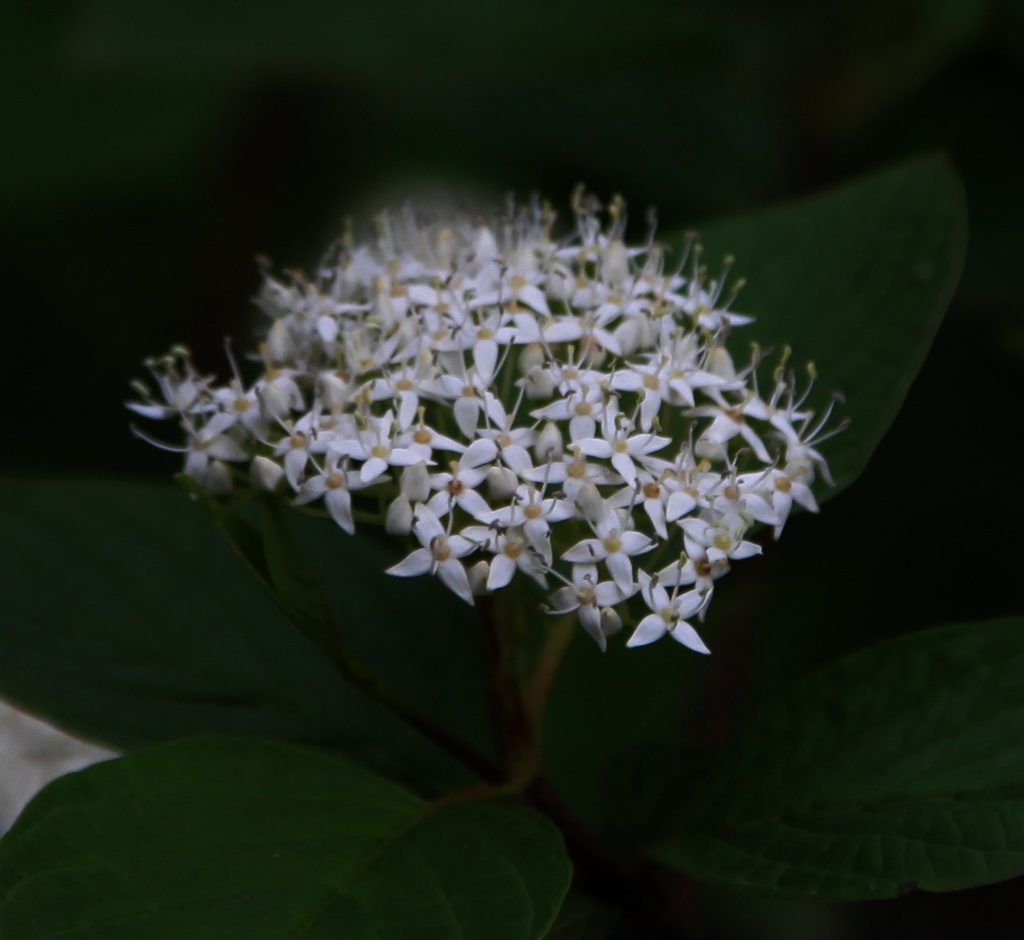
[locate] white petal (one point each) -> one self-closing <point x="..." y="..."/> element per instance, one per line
<point x="426" y="525"/>
<point x="481" y="451"/>
<point x="403" y="457"/>
<point x="563" y="330"/>
<point x="474" y="504"/>
<point x="656" y="513"/>
<point x="679" y="504"/>
<point x="608" y="593"/>
<point x="467" y="414"/>
<point x="416" y="563"/>
<point x="621" y="570"/>
<point x="517" y="458"/>
<point x="595" y="447"/>
<point x="625" y="466"/>
<point x="408" y="402"/>
<point x="744" y="550"/>
<point x="590" y="619"/>
<point x="502" y="570"/>
<point x="454" y="577"/>
<point x="485" y="357"/>
<point x="440" y="504"/>
<point x="586" y="552"/>
<point x="683" y="633"/>
<point x="327" y="327"/>
<point x="686" y="605"/>
<point x="533" y="297"/>
<point x="339" y="505"/>
<point x="635" y="543"/>
<point x="373" y="468"/>
<point x="651" y="628"/>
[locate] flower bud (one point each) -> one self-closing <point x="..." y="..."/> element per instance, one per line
<point x="634" y="334"/>
<point x="532" y="357"/>
<point x="485" y="248"/>
<point x="265" y="475"/>
<point x="478" y="575"/>
<point x="560" y="283"/>
<point x="275" y="400"/>
<point x="398" y="518"/>
<point x="524" y="262"/>
<point x="709" y="449"/>
<point x="539" y="383"/>
<point x="501" y="483"/>
<point x="415" y="483"/>
<point x="549" y="444"/>
<point x="615" y="263"/>
<point x="445" y="245"/>
<point x="334" y="391"/>
<point x="217" y="479"/>
<point x="611" y="622"/>
<point x="590" y="504"/>
<point x="280" y="347"/>
<point x="719" y="363"/>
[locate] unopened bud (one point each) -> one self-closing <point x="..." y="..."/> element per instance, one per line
<point x="590" y="503"/>
<point x="478" y="575"/>
<point x="539" y="384"/>
<point x="265" y="475"/>
<point x="217" y="479"/>
<point x="560" y="283"/>
<point x="549" y="444"/>
<point x="532" y="357"/>
<point x="280" y="347"/>
<point x="615" y="263"/>
<point x="415" y="483"/>
<point x="611" y="622"/>
<point x="485" y="248"/>
<point x="501" y="483"/>
<point x="333" y="390"/>
<point x="719" y="363"/>
<point x="398" y="518"/>
<point x="275" y="400"/>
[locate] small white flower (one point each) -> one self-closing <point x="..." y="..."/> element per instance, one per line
<point x="377" y="448"/>
<point x="669" y="613"/>
<point x="614" y="546"/>
<point x="621" y="448"/>
<point x="458" y="488"/>
<point x="590" y="597"/>
<point x="334" y="485"/>
<point x="439" y="554"/>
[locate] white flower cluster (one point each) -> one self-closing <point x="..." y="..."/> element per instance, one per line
<point x="516" y="405"/>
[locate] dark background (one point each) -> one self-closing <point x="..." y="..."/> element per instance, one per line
<point x="150" y="150"/>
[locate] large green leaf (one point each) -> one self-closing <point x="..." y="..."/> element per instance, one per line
<point x="128" y="620"/>
<point x="857" y="280"/>
<point x="225" y="839"/>
<point x="897" y="768"/>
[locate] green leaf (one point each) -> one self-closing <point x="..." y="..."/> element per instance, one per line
<point x="294" y="580"/>
<point x="856" y="279"/>
<point x="127" y="620"/>
<point x="896" y="768"/>
<point x="275" y="559"/>
<point x="244" y="839"/>
<point x="244" y="539"/>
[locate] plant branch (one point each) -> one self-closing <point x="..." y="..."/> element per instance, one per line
<point x="506" y="632"/>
